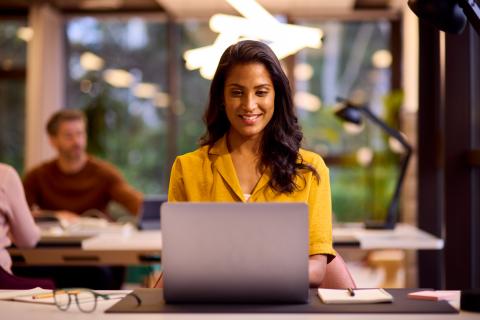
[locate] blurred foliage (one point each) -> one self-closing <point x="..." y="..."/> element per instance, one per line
<point x="127" y="131"/>
<point x="344" y="68"/>
<point x="12" y="93"/>
<point x="12" y="123"/>
<point x="131" y="132"/>
<point x="194" y="88"/>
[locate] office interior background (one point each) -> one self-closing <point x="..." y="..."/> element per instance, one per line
<point x="122" y="62"/>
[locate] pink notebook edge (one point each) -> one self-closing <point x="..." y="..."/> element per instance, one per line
<point x="434" y="295"/>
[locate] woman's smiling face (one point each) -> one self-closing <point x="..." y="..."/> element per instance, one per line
<point x="249" y="98"/>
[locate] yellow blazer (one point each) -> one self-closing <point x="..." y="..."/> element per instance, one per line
<point x="208" y="174"/>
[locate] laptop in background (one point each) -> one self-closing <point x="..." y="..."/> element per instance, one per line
<point x="149" y="218"/>
<point x="235" y="252"/>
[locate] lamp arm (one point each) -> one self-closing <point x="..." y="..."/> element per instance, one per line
<point x="392" y="132"/>
<point x="472" y="11"/>
<point x="393" y="207"/>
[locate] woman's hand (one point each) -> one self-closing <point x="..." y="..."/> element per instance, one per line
<point x="317" y="265"/>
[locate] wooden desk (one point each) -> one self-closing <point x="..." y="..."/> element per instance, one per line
<point x="144" y="247"/>
<point x="137" y="248"/>
<point x="20" y="310"/>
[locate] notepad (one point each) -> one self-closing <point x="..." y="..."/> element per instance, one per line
<point x="342" y="296"/>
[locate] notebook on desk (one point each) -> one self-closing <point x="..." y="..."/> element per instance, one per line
<point x="235" y="252"/>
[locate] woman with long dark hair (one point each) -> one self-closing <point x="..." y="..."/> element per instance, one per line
<point x="251" y="149"/>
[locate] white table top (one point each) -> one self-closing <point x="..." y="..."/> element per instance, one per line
<point x="404" y="236"/>
<point x="22" y="310"/>
<point x="141" y="240"/>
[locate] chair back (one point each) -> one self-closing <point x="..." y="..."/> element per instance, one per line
<point x="10" y="281"/>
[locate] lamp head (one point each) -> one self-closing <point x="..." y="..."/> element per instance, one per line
<point x="349" y="113"/>
<point x="446" y="15"/>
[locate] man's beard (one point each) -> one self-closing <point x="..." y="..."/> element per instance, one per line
<point x="73" y="154"/>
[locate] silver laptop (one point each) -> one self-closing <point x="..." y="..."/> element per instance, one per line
<point x="235" y="252"/>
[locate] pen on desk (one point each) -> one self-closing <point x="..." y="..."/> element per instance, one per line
<point x="43" y="295"/>
<point x="351" y="292"/>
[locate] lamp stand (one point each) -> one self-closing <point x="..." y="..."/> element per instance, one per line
<point x="391" y="218"/>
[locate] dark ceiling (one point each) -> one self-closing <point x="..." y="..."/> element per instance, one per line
<point x="119" y="6"/>
<point x="83" y="6"/>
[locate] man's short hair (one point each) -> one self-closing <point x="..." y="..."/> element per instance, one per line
<point x="63" y="115"/>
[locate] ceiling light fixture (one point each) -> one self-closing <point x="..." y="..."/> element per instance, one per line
<point x="25" y="33"/>
<point x="145" y="90"/>
<point x="118" y="78"/>
<point x="91" y="62"/>
<point x="382" y="59"/>
<point x="307" y="101"/>
<point x="257" y="24"/>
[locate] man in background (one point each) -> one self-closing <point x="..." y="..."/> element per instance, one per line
<point x="71" y="184"/>
<point x="75" y="182"/>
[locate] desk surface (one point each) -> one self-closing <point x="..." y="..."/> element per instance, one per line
<point x="145" y="247"/>
<point x="21" y="310"/>
<point x="404" y="236"/>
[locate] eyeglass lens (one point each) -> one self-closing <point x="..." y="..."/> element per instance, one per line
<point x="85" y="299"/>
<point x="62" y="299"/>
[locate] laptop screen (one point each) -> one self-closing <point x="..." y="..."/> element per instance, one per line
<point x="149" y="218"/>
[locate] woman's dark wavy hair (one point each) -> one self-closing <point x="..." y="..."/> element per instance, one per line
<point x="282" y="136"/>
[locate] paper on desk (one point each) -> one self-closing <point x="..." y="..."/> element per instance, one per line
<point x="342" y="296"/>
<point x="19" y="294"/>
<point x="29" y="298"/>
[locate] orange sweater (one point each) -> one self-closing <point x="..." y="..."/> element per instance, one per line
<point x="93" y="187"/>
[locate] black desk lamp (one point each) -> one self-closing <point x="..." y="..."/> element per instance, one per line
<point x="353" y="114"/>
<point x="448" y="15"/>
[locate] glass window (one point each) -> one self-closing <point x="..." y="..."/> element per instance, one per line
<point x="354" y="63"/>
<point x="194" y="88"/>
<point x="117" y="75"/>
<point x="13" y="36"/>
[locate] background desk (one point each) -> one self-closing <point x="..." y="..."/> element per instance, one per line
<point x="144" y="247"/>
<point x="137" y="248"/>
<point x="404" y="236"/>
<point x="20" y="310"/>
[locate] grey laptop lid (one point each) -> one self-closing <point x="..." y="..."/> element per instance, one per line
<point x="235" y="252"/>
